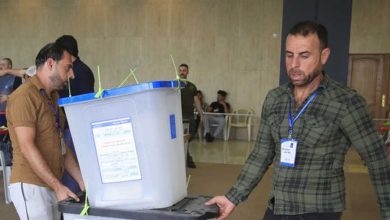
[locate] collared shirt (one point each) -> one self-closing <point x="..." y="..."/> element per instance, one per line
<point x="27" y="107"/>
<point x="336" y="119"/>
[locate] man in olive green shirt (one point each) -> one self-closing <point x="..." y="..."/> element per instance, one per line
<point x="189" y="99"/>
<point x="306" y="129"/>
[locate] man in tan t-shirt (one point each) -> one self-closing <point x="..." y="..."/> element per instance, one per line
<point x="35" y="125"/>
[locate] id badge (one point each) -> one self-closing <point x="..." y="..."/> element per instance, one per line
<point x="288" y="150"/>
<point x="63" y="146"/>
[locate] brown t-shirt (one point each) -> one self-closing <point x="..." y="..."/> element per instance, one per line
<point x="28" y="107"/>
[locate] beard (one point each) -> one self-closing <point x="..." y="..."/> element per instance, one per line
<point x="298" y="78"/>
<point x="57" y="82"/>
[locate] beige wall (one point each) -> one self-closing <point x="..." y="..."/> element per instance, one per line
<point x="370" y="26"/>
<point x="228" y="44"/>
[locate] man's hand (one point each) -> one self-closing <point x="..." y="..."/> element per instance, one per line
<point x="223" y="103"/>
<point x="3" y="98"/>
<point x="26" y="138"/>
<point x="226" y="109"/>
<point x="81" y="185"/>
<point x="225" y="206"/>
<point x="63" y="192"/>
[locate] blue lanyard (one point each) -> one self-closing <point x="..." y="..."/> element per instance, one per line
<point x="292" y="120"/>
<point x="54" y="110"/>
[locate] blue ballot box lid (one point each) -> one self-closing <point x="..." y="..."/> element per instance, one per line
<point x="125" y="90"/>
<point x="190" y="208"/>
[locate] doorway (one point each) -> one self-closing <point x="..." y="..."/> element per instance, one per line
<point x="369" y="74"/>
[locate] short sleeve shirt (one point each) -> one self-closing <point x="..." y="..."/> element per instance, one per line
<point x="28" y="107"/>
<point x="218" y="108"/>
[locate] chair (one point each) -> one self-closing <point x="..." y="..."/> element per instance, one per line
<point x="201" y="130"/>
<point x="225" y="136"/>
<point x="241" y="118"/>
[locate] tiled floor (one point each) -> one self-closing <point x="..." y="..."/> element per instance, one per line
<point x="361" y="200"/>
<point x="219" y="163"/>
<point x="236" y="152"/>
<point x="218" y="151"/>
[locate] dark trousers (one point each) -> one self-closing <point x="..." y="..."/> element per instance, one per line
<point x="192" y="127"/>
<point x="269" y="215"/>
<point x="192" y="131"/>
<point x="67" y="179"/>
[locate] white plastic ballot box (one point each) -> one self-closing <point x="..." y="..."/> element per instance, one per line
<point x="129" y="144"/>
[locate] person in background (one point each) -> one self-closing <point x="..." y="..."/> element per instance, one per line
<point x="36" y="124"/>
<point x="23" y="73"/>
<point x="189" y="99"/>
<point x="220" y="106"/>
<point x="8" y="81"/>
<point x="306" y="129"/>
<point x="203" y="105"/>
<point x="82" y="83"/>
<point x="5" y="64"/>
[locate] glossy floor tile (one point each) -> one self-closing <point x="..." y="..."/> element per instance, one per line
<point x="219" y="151"/>
<point x="219" y="163"/>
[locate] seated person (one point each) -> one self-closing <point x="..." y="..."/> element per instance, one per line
<point x="220" y="106"/>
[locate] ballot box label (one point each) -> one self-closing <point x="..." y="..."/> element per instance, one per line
<point x="116" y="150"/>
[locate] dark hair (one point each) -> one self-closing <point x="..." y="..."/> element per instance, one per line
<point x="8" y="60"/>
<point x="222" y="93"/>
<point x="305" y="28"/>
<point x="70" y="43"/>
<point x="199" y="92"/>
<point x="184" y="65"/>
<point x="51" y="50"/>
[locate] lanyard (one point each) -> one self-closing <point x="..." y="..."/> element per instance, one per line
<point x="55" y="111"/>
<point x="292" y="120"/>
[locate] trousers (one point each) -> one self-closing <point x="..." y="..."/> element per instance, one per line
<point x="269" y="215"/>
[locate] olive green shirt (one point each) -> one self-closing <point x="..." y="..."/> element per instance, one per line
<point x="187" y="100"/>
